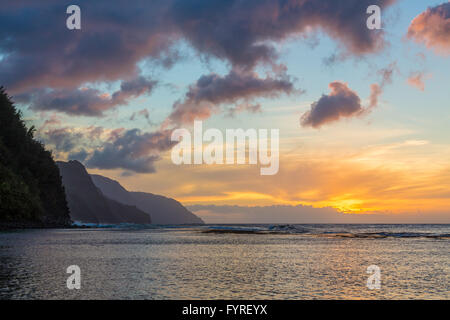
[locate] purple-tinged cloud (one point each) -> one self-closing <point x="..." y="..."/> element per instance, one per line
<point x="241" y="32"/>
<point x="88" y="101"/>
<point x="432" y="28"/>
<point x="143" y="113"/>
<point x="40" y="52"/>
<point x="132" y="150"/>
<point x="211" y="91"/>
<point x="387" y="74"/>
<point x="133" y="88"/>
<point x="98" y="147"/>
<point x="342" y="102"/>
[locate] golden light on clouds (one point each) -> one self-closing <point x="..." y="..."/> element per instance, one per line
<point x="388" y="178"/>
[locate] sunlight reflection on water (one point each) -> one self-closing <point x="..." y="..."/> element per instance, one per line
<point x="184" y="263"/>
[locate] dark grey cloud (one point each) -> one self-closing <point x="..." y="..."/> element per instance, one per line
<point x="47" y="65"/>
<point x="133" y="88"/>
<point x="241" y="31"/>
<point x="88" y="101"/>
<point x="142" y="113"/>
<point x="111" y="158"/>
<point x="97" y="147"/>
<point x="62" y="139"/>
<point x="342" y="102"/>
<point x="210" y="91"/>
<point x="236" y="85"/>
<point x="79" y="156"/>
<point x="132" y="150"/>
<point x="39" y="51"/>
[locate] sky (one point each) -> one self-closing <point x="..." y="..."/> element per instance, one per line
<point x="363" y="114"/>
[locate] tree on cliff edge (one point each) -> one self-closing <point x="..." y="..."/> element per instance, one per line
<point x="30" y="184"/>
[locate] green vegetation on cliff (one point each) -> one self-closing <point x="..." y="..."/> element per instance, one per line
<point x="31" y="190"/>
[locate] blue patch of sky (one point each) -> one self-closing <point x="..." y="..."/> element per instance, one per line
<point x="404" y="105"/>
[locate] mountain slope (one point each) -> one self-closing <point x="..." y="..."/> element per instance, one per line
<point x="113" y="189"/>
<point x="31" y="192"/>
<point x="163" y="210"/>
<point x="88" y="204"/>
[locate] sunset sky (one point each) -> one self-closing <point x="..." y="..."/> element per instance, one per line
<point x="363" y="114"/>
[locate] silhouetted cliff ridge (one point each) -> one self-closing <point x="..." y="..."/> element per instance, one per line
<point x="163" y="210"/>
<point x="89" y="205"/>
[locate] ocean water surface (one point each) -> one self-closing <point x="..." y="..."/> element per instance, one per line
<point x="227" y="262"/>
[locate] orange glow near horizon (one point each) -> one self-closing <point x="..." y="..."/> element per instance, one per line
<point x="348" y="186"/>
<point x="352" y="174"/>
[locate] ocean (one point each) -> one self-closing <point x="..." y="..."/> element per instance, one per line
<point x="228" y="262"/>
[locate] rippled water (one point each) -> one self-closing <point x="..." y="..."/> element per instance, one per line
<point x="228" y="262"/>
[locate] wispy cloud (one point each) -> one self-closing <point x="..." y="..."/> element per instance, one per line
<point x="417" y="80"/>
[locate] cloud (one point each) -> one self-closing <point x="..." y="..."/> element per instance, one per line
<point x="133" y="88"/>
<point x="212" y="29"/>
<point x="115" y="39"/>
<point x="251" y="108"/>
<point x="132" y="150"/>
<point x="144" y="113"/>
<point x="72" y="140"/>
<point x="41" y="53"/>
<point x="98" y="147"/>
<point x="342" y="102"/>
<point x="387" y="73"/>
<point x="301" y="214"/>
<point x="80" y="155"/>
<point x="417" y="80"/>
<point x="432" y="28"/>
<point x="373" y="175"/>
<point x="210" y="91"/>
<point x="54" y="120"/>
<point x="88" y="101"/>
<point x="63" y="139"/>
<point x="375" y="92"/>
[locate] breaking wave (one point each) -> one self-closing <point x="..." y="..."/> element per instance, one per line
<point x="319" y="231"/>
